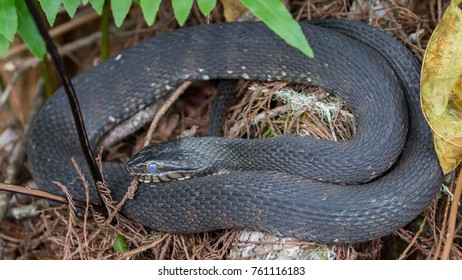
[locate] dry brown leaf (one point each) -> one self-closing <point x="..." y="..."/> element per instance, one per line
<point x="232" y="9"/>
<point x="441" y="87"/>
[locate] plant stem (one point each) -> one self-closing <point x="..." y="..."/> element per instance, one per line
<point x="47" y="77"/>
<point x="69" y="89"/>
<point x="105" y="19"/>
<point x="2" y="85"/>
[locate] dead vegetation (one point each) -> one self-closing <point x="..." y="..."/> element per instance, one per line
<point x="64" y="233"/>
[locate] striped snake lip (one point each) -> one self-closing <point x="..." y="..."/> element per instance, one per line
<point x="145" y="178"/>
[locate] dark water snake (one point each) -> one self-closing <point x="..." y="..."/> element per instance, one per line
<point x="288" y="185"/>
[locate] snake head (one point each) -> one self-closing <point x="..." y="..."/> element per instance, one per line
<point x="166" y="162"/>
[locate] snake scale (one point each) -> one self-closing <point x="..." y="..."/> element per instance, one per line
<point x="289" y="185"/>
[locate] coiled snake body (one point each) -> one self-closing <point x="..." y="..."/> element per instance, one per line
<point x="289" y="185"/>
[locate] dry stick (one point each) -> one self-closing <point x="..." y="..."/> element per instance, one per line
<point x="185" y="248"/>
<point x="44" y="195"/>
<point x="143" y="248"/>
<point x="167" y="104"/>
<point x="57" y="31"/>
<point x="18" y="155"/>
<point x="266" y="252"/>
<point x="2" y="244"/>
<point x="440" y="10"/>
<point x="68" y="48"/>
<point x="31" y="62"/>
<point x="9" y="88"/>
<point x="431" y="4"/>
<point x="452" y="218"/>
<point x="443" y="226"/>
<point x="164" y="249"/>
<point x="403" y="255"/>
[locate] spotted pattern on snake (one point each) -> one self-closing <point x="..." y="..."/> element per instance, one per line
<point x="288" y="185"/>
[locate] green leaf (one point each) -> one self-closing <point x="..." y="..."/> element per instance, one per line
<point x="97" y="5"/>
<point x="4" y="45"/>
<point x="28" y="31"/>
<point x="8" y="19"/>
<point x="120" y="244"/>
<point x="120" y="9"/>
<point x="51" y="9"/>
<point x="181" y="9"/>
<point x="206" y="6"/>
<point x="150" y="9"/>
<point x="85" y="2"/>
<point x="71" y="6"/>
<point x="278" y="19"/>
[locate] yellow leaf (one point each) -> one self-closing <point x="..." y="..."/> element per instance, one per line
<point x="232" y="9"/>
<point x="441" y="86"/>
<point x="449" y="155"/>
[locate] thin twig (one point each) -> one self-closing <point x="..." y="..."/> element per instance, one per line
<point x="77" y="21"/>
<point x="65" y="50"/>
<point x="164" y="249"/>
<point x="143" y="248"/>
<point x="422" y="225"/>
<point x="2" y="244"/>
<point x="452" y="218"/>
<point x="440" y="10"/>
<point x="42" y="194"/>
<point x="167" y="104"/>
<point x="9" y="88"/>
<point x="444" y="224"/>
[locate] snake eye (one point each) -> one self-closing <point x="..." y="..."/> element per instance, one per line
<point x="152" y="167"/>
